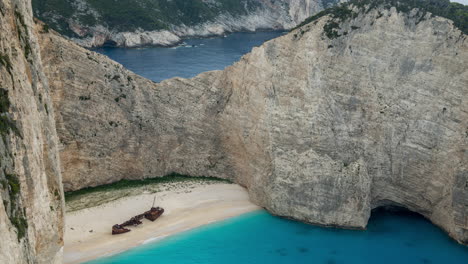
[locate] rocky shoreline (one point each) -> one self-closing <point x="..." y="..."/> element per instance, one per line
<point x="269" y="15"/>
<point x="166" y="38"/>
<point x="180" y="42"/>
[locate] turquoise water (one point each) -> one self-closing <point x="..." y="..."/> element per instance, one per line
<point x="262" y="238"/>
<point x="259" y="237"/>
<point x="191" y="58"/>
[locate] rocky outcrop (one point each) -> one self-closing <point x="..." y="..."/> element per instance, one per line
<point x="321" y="125"/>
<point x="31" y="207"/>
<point x="89" y="26"/>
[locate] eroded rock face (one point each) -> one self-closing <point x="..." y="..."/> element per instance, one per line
<point x="320" y="130"/>
<point x="31" y="211"/>
<point x="111" y="127"/>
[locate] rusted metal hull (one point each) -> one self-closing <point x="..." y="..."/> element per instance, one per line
<point x="134" y="221"/>
<point x="154" y="213"/>
<point x="118" y="229"/>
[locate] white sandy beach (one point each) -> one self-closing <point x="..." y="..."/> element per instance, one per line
<point x="88" y="231"/>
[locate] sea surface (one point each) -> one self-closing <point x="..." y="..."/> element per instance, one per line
<point x="194" y="56"/>
<point x="258" y="237"/>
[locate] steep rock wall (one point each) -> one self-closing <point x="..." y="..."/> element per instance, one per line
<point x="31" y="207"/>
<point x="114" y="124"/>
<point x="318" y="129"/>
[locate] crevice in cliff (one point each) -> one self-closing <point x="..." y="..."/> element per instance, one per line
<point x="6" y="123"/>
<point x="11" y="188"/>
<point x="5" y="62"/>
<point x="23" y="33"/>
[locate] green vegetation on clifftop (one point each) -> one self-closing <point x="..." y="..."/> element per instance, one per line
<point x="456" y="12"/>
<point x="130" y="15"/>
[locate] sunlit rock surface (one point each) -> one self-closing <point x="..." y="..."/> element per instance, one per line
<point x="320" y="130"/>
<point x="31" y="207"/>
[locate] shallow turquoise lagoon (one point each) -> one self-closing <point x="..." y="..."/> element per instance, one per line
<point x="396" y="237"/>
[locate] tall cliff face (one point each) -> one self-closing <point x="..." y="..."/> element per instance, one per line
<point x="131" y="23"/>
<point x="31" y="207"/>
<point x="321" y="125"/>
<point x="114" y="124"/>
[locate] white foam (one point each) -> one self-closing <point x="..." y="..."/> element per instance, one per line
<point x="153" y="239"/>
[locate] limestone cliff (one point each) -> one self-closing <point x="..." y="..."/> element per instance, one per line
<point x="131" y="23"/>
<point x="321" y="125"/>
<point x="31" y="207"/>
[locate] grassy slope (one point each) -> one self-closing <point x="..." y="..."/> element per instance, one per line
<point x="94" y="196"/>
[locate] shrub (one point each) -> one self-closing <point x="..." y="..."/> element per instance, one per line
<point x="21" y="226"/>
<point x="126" y="184"/>
<point x="456" y="12"/>
<point x="45" y="28"/>
<point x="14" y="184"/>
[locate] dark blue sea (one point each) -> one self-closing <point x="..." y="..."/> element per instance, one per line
<point x="257" y="238"/>
<point x="194" y="56"/>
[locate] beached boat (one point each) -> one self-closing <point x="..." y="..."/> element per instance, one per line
<point x="119" y="229"/>
<point x="154" y="213"/>
<point x="134" y="221"/>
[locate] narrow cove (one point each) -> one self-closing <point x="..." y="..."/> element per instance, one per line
<point x="192" y="57"/>
<point x="258" y="237"/>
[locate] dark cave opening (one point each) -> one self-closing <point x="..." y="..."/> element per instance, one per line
<point x="386" y="208"/>
<point x="109" y="44"/>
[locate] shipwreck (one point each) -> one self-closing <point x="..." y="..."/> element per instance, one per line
<point x="153" y="214"/>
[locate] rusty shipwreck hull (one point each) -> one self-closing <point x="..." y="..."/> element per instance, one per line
<point x="153" y="214"/>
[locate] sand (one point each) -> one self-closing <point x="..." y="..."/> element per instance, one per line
<point x="88" y="231"/>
